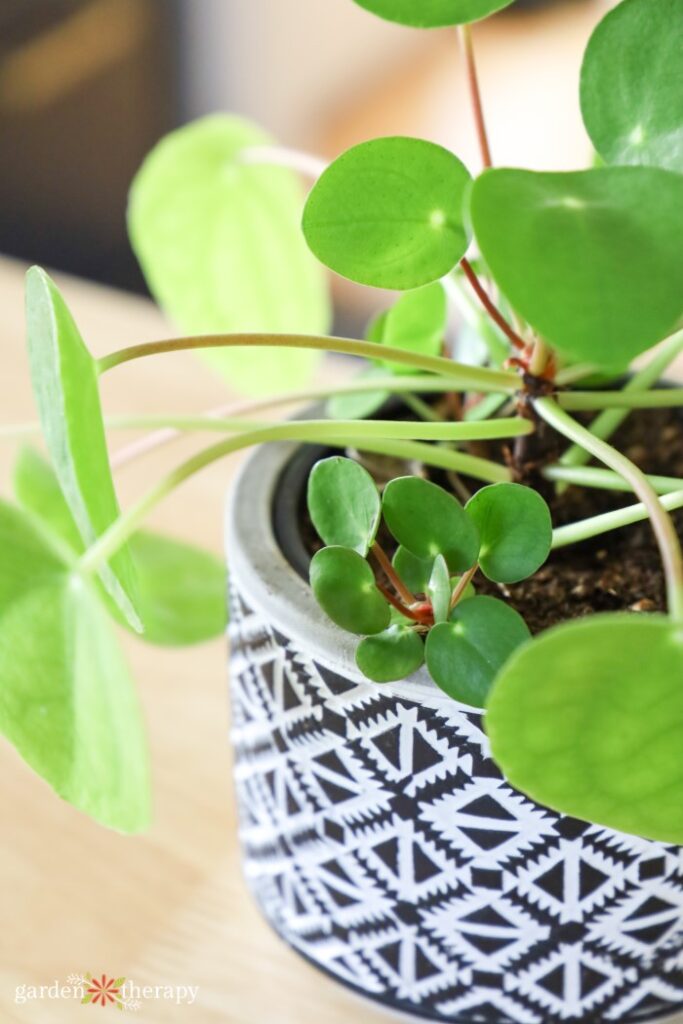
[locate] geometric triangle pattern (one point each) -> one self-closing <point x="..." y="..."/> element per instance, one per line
<point x="383" y="844"/>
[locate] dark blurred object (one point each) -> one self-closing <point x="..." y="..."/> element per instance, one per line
<point x="86" y="88"/>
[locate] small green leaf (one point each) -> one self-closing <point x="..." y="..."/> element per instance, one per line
<point x="65" y="385"/>
<point x="66" y="701"/>
<point x="344" y="503"/>
<point x="433" y="13"/>
<point x="515" y="529"/>
<point x="428" y="521"/>
<point x="394" y="654"/>
<point x="465" y="654"/>
<point x="415" y="572"/>
<point x="439" y="589"/>
<point x="588" y="720"/>
<point x="416" y="323"/>
<point x="390" y="213"/>
<point x="345" y="588"/>
<point x="219" y="241"/>
<point x="589" y="258"/>
<point x="181" y="589"/>
<point x="631" y="86"/>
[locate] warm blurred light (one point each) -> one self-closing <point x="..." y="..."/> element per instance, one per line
<point x="61" y="59"/>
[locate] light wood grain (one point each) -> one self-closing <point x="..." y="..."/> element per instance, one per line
<point x="170" y="907"/>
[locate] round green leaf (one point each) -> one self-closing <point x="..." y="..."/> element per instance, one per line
<point x="588" y="719"/>
<point x="515" y="530"/>
<point x="433" y="13"/>
<point x="65" y="385"/>
<point x="465" y="654"/>
<point x="416" y="323"/>
<point x="389" y="213"/>
<point x="219" y="242"/>
<point x="631" y="85"/>
<point x="344" y="503"/>
<point x="591" y="259"/>
<point x="67" y="702"/>
<point x="345" y="588"/>
<point x="428" y="521"/>
<point x="439" y="589"/>
<point x="394" y="654"/>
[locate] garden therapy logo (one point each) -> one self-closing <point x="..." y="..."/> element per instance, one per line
<point x="103" y="990"/>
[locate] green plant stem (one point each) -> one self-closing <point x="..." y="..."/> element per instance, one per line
<point x="665" y="531"/>
<point x="593" y="527"/>
<point x="420" y="408"/>
<point x="306" y="431"/>
<point x="467" y="44"/>
<point x="577" y="401"/>
<point x="462" y="586"/>
<point x="387" y="568"/>
<point x="322" y="430"/>
<point x="436" y="455"/>
<point x="605" y="479"/>
<point x="539" y="358"/>
<point x="604" y="425"/>
<point x="477" y="378"/>
<point x="576" y="371"/>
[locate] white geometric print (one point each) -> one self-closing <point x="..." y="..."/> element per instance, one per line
<point x="383" y="844"/>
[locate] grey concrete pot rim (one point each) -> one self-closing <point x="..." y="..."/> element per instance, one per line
<point x="273" y="588"/>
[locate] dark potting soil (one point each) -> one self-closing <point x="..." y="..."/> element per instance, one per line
<point x="617" y="571"/>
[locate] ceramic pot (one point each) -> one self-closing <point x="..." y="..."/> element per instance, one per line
<point x="381" y="841"/>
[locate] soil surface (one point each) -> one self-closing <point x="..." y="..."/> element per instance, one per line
<point x="617" y="571"/>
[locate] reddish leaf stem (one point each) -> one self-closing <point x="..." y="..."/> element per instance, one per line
<point x="489" y="306"/>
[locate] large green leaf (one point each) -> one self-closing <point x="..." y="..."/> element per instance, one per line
<point x="592" y="259"/>
<point x="465" y="654"/>
<point x="181" y="589"/>
<point x="588" y="719"/>
<point x="515" y="530"/>
<point x="632" y="86"/>
<point x="433" y="13"/>
<point x="66" y="700"/>
<point x="219" y="241"/>
<point x="344" y="503"/>
<point x="390" y="213"/>
<point x="65" y="385"/>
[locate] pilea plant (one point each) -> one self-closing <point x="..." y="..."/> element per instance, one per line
<point x="563" y="279"/>
<point x="418" y="609"/>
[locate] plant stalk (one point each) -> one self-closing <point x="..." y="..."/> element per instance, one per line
<point x="662" y="524"/>
<point x="605" y="479"/>
<point x="604" y="425"/>
<point x="474" y="377"/>
<point x="489" y="305"/>
<point x="462" y="586"/>
<point x="387" y="568"/>
<point x="119" y="532"/>
<point x="595" y="525"/>
<point x="579" y="401"/>
<point x="467" y="45"/>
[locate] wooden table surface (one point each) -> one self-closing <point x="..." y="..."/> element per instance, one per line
<point x="167" y="908"/>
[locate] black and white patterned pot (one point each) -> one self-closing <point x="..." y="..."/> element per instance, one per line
<point x="382" y="843"/>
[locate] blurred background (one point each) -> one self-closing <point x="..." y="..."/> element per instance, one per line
<point x="88" y="86"/>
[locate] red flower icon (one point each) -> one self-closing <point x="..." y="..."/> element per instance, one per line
<point x="104" y="991"/>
